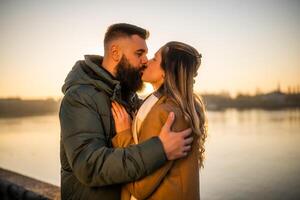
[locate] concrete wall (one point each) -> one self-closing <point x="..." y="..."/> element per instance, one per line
<point x="17" y="186"/>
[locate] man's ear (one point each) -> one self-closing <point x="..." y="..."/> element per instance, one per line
<point x="116" y="53"/>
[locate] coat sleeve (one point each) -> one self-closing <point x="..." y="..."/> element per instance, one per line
<point x="90" y="158"/>
<point x="144" y="187"/>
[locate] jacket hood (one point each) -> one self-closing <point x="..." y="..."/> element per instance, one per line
<point x="90" y="72"/>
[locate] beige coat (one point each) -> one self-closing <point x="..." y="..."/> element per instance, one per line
<point x="176" y="180"/>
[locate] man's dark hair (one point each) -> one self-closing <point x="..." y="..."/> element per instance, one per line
<point x="116" y="31"/>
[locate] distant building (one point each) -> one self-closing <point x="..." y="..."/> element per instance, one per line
<point x="274" y="97"/>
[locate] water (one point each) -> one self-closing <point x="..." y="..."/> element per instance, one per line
<point x="253" y="154"/>
<point x="30" y="146"/>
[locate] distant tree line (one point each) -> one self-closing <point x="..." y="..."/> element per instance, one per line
<point x="273" y="100"/>
<point x="16" y="107"/>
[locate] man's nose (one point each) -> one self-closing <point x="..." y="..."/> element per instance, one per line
<point x="144" y="60"/>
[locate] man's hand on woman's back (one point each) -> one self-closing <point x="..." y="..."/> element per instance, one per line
<point x="176" y="144"/>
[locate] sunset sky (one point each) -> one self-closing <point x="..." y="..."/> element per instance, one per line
<point x="245" y="44"/>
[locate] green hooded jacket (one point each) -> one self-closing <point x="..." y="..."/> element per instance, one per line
<point x="90" y="167"/>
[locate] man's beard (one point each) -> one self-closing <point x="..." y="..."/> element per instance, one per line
<point x="129" y="76"/>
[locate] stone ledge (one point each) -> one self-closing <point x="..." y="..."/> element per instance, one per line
<point x="17" y="186"/>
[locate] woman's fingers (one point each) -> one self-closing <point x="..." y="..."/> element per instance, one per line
<point x="114" y="114"/>
<point x="124" y="110"/>
<point x="118" y="114"/>
<point x="120" y="108"/>
<point x="121" y="118"/>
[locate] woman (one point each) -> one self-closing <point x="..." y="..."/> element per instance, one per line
<point x="171" y="73"/>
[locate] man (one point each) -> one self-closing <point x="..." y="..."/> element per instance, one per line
<point x="90" y="167"/>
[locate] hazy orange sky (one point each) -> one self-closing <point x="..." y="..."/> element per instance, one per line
<point x="244" y="44"/>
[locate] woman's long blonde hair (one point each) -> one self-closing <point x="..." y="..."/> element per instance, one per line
<point x="180" y="63"/>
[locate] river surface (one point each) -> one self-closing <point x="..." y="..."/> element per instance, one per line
<point x="252" y="154"/>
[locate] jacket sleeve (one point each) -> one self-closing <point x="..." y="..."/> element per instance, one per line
<point x="92" y="161"/>
<point x="144" y="187"/>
